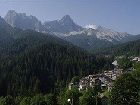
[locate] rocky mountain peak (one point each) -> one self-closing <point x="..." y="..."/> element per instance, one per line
<point x="22" y="21"/>
<point x="64" y="25"/>
<point x="66" y="17"/>
<point x="66" y="20"/>
<point x="10" y="12"/>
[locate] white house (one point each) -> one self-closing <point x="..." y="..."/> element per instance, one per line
<point x="115" y="63"/>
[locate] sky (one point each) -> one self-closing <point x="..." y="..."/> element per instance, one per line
<point x="119" y="15"/>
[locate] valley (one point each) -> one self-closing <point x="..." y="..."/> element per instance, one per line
<point x="62" y="63"/>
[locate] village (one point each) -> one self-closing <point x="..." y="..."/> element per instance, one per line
<point x="103" y="80"/>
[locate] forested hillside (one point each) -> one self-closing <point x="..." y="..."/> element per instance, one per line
<point x="130" y="48"/>
<point x="40" y="67"/>
<point x="32" y="62"/>
<point x="23" y="40"/>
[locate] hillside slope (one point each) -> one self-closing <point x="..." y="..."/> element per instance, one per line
<point x="129" y="48"/>
<point x="32" y="62"/>
<point x="45" y="67"/>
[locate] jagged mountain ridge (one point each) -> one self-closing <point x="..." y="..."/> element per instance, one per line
<point x="102" y="33"/>
<point x="67" y="29"/>
<point x="91" y="39"/>
<point x="22" y="21"/>
<point x="14" y="41"/>
<point x="64" y="25"/>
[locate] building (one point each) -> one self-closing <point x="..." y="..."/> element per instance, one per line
<point x="99" y="80"/>
<point x="136" y="59"/>
<point x="115" y="63"/>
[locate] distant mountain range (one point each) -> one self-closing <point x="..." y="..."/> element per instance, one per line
<point x="22" y="21"/>
<point x="90" y="37"/>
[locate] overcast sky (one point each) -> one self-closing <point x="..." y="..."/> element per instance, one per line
<point x="120" y="15"/>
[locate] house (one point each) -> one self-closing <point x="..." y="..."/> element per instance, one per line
<point x="100" y="80"/>
<point x="70" y="86"/>
<point x="115" y="63"/>
<point x="84" y="83"/>
<point x="137" y="59"/>
<point x="103" y="80"/>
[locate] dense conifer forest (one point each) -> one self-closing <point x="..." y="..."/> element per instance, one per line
<point x="31" y="63"/>
<point x="36" y="68"/>
<point x="130" y="48"/>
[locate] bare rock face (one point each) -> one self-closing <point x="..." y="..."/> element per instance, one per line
<point x="88" y="37"/>
<point x="20" y="20"/>
<point x="6" y="31"/>
<point x="64" y="25"/>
